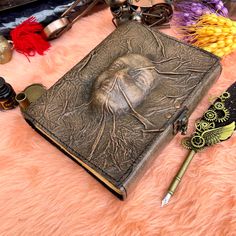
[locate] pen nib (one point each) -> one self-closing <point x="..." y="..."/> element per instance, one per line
<point x="166" y="199"/>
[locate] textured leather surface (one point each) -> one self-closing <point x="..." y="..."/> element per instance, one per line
<point x="119" y="141"/>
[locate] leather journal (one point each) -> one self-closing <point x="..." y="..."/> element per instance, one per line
<point x="122" y="104"/>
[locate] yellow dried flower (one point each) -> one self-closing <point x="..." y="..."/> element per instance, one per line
<point x="216" y="34"/>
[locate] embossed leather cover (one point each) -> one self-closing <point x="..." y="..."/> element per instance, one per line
<point x="117" y="107"/>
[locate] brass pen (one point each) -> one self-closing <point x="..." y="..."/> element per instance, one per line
<point x="178" y="177"/>
<point x="216" y="125"/>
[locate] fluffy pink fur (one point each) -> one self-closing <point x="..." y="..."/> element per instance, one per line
<point x="42" y="192"/>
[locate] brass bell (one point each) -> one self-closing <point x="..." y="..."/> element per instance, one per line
<point x="5" y="50"/>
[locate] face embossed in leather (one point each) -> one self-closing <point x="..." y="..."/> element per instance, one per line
<point x="115" y="110"/>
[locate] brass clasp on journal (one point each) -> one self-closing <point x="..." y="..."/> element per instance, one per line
<point x="181" y="123"/>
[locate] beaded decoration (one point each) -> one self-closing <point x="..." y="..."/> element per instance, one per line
<point x="188" y="12"/>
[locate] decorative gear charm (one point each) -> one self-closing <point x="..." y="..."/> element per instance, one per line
<point x="198" y="142"/>
<point x="209" y="130"/>
<point x="198" y="126"/>
<point x="224" y="117"/>
<point x="210" y="115"/>
<point x="219" y="106"/>
<point x="204" y="125"/>
<point x="225" y="96"/>
<point x="186" y="143"/>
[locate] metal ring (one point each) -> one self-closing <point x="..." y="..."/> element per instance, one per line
<point x="23" y="100"/>
<point x="52" y="30"/>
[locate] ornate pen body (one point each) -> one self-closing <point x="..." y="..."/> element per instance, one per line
<point x="181" y="172"/>
<point x="178" y="177"/>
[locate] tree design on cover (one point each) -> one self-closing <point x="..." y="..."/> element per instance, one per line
<point x="114" y="104"/>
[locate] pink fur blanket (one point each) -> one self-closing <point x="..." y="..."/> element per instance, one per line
<point x="42" y="192"/>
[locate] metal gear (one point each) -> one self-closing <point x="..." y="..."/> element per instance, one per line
<point x="198" y="142"/>
<point x="224" y="117"/>
<point x="219" y="106"/>
<point x="225" y="96"/>
<point x="186" y="143"/>
<point x="210" y="115"/>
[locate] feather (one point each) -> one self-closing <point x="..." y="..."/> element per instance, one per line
<point x="217" y="124"/>
<point x="214" y="136"/>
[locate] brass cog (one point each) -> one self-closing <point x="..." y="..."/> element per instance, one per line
<point x="225" y="116"/>
<point x="225" y="96"/>
<point x="210" y="115"/>
<point x="219" y="106"/>
<point x="186" y="143"/>
<point x="198" y="141"/>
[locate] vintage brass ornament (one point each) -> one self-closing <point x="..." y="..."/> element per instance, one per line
<point x="56" y="28"/>
<point x="5" y="50"/>
<point x="29" y="95"/>
<point x="148" y="12"/>
<point x="216" y="125"/>
<point x="208" y="131"/>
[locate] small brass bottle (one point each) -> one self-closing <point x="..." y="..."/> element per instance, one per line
<point x="7" y="96"/>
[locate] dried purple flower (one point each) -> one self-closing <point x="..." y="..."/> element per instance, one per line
<point x="188" y="12"/>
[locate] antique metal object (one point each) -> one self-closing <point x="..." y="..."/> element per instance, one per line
<point x="209" y="129"/>
<point x="7" y="96"/>
<point x="23" y="101"/>
<point x="109" y="113"/>
<point x="5" y="50"/>
<point x="216" y="125"/>
<point x="177" y="179"/>
<point x="151" y="13"/>
<point x="67" y="19"/>
<point x="44" y="11"/>
<point x="29" y="95"/>
<point x="181" y="124"/>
